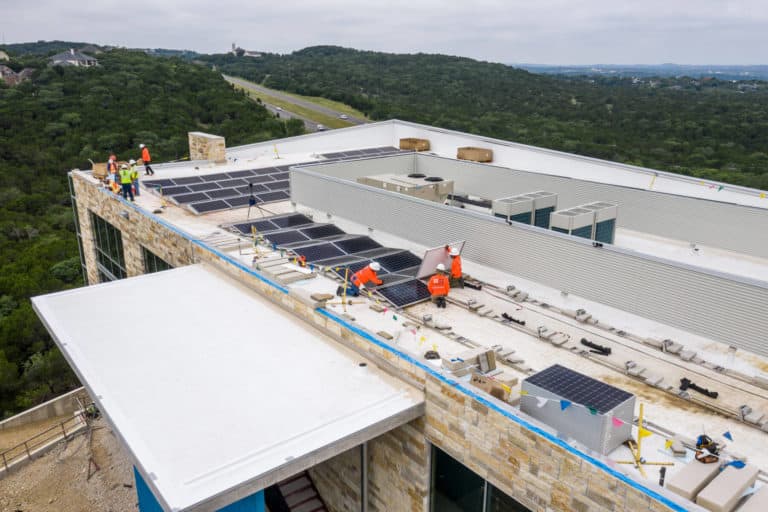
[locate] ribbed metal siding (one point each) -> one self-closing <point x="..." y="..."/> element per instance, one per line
<point x="725" y="308"/>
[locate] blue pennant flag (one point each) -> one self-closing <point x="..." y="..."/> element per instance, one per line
<point x="738" y="464"/>
<point x="728" y="436"/>
<point x="564" y="404"/>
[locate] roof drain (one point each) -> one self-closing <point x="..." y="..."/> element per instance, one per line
<point x="433" y="179"/>
<point x="417" y="175"/>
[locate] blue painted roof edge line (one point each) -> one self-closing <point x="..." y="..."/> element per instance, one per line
<point x="550" y="437"/>
<point x="198" y="242"/>
<point x="370" y="337"/>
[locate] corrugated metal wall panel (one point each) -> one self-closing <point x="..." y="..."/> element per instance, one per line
<point x="726" y="308"/>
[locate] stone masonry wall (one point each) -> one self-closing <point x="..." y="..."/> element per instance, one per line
<point x="525" y="465"/>
<point x="204" y="146"/>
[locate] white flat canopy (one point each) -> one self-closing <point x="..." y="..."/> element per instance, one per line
<point x="216" y="392"/>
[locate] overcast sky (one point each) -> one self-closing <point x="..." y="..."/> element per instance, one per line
<point x="533" y="31"/>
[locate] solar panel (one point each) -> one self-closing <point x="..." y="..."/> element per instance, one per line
<point x="322" y="231"/>
<point x="169" y="191"/>
<point x="285" y="237"/>
<point x="359" y="244"/>
<point x="289" y="221"/>
<point x="190" y="198"/>
<point x="341" y="261"/>
<point x="405" y="293"/>
<point x="281" y="175"/>
<point x="390" y="279"/>
<point x="158" y="183"/>
<point x="236" y="202"/>
<point x="209" y="206"/>
<point x="201" y="187"/>
<point x="262" y="226"/>
<point x="241" y="174"/>
<point x="333" y="155"/>
<point x="259" y="179"/>
<point x="222" y="193"/>
<point x="231" y="183"/>
<point x="283" y="168"/>
<point x="273" y="196"/>
<point x="578" y="388"/>
<point x="318" y="251"/>
<point x="256" y="189"/>
<point x="398" y="261"/>
<point x="265" y="170"/>
<point x="377" y="253"/>
<point x="187" y="181"/>
<point x="278" y="185"/>
<point x="215" y="177"/>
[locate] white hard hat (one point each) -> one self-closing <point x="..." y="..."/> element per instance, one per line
<point x="440" y="267"/>
<point x="454" y="251"/>
<point x="141" y="146"/>
<point x="375" y="266"/>
<point x="131" y="161"/>
<point x="123" y="166"/>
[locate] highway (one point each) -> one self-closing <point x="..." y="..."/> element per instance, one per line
<point x="312" y="125"/>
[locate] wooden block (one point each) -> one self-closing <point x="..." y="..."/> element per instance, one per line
<point x="377" y="307"/>
<point x="490" y="386"/>
<point x="385" y="335"/>
<point x="321" y="297"/>
<point x="687" y="355"/>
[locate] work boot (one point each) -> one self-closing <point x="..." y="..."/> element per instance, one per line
<point x="339" y="291"/>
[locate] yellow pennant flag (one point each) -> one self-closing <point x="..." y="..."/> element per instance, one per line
<point x="762" y="196"/>
<point x="644" y="432"/>
<point x="506" y="388"/>
<point x="523" y="392"/>
<point x="668" y="444"/>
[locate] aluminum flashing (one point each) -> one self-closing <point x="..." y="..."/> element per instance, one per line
<point x="158" y="417"/>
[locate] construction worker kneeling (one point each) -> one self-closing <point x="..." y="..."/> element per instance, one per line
<point x="439" y="285"/>
<point x="360" y="278"/>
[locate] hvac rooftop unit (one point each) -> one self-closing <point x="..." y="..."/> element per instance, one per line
<point x="573" y="221"/>
<point x="580" y="407"/>
<point x="532" y="208"/>
<point x="605" y="220"/>
<point x="544" y="203"/>
<point x="431" y="188"/>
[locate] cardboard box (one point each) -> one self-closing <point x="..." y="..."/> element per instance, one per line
<point x="412" y="144"/>
<point x="475" y="154"/>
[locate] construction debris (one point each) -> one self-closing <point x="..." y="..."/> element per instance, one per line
<point x="596" y="348"/>
<point x="686" y="384"/>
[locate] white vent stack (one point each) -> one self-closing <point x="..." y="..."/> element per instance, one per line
<point x="532" y="208"/>
<point x="430" y="188"/>
<point x="595" y="221"/>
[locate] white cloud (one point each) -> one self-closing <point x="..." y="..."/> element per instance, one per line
<point x="544" y="31"/>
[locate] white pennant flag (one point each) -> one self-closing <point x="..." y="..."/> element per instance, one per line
<point x="540" y="402"/>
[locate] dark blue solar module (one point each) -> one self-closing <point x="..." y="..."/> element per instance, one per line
<point x="222" y="193"/>
<point x="580" y="389"/>
<point x="405" y="293"/>
<point x="190" y="198"/>
<point x="232" y="183"/>
<point x="215" y="177"/>
<point x="281" y="175"/>
<point x="341" y="261"/>
<point x="241" y="174"/>
<point x="266" y="170"/>
<point x="158" y="183"/>
<point x="187" y="181"/>
<point x="399" y="260"/>
<point x="284" y="168"/>
<point x="238" y="201"/>
<point x="377" y="253"/>
<point x="256" y="189"/>
<point x="285" y="237"/>
<point x="278" y="185"/>
<point x="322" y="231"/>
<point x="262" y="226"/>
<point x="169" y="191"/>
<point x="290" y="221"/>
<point x="202" y="187"/>
<point x="273" y="196"/>
<point x="259" y="179"/>
<point x="359" y="244"/>
<point x="334" y="155"/>
<point x="209" y="206"/>
<point x="318" y="251"/>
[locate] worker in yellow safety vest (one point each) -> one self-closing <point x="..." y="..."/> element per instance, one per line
<point x="126" y="182"/>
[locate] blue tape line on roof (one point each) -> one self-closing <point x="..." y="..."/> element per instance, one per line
<point x="550" y="437"/>
<point x="370" y="337"/>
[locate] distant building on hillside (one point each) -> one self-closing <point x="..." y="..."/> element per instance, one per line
<point x="91" y="48"/>
<point x="240" y="52"/>
<point x="10" y="77"/>
<point x="73" y="58"/>
<point x="4" y="56"/>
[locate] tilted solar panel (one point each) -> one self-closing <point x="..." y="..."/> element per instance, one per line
<point x="223" y="193"/>
<point x="259" y="179"/>
<point x="209" y="206"/>
<point x="405" y="293"/>
<point x="322" y="231"/>
<point x="285" y="237"/>
<point x="262" y="226"/>
<point x="278" y="185"/>
<point x="318" y="252"/>
<point x="190" y="198"/>
<point x="292" y="220"/>
<point x="256" y="189"/>
<point x="359" y="244"/>
<point x="215" y="177"/>
<point x="273" y="196"/>
<point x="187" y="181"/>
<point x="202" y="187"/>
<point x="236" y="202"/>
<point x="158" y="183"/>
<point x="241" y="174"/>
<point x="179" y="189"/>
<point x="398" y="261"/>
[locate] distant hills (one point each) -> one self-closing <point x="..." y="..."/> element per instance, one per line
<point x="723" y="72"/>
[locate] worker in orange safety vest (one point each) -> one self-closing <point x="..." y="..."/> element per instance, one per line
<point x="439" y="286"/>
<point x="146" y="160"/>
<point x="360" y="278"/>
<point x="457" y="281"/>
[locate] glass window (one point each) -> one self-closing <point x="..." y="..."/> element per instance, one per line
<point x="108" y="241"/>
<point x="497" y="501"/>
<point x="455" y="488"/>
<point x="153" y="262"/>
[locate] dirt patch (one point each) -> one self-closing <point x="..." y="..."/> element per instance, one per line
<point x="11" y="437"/>
<point x="58" y="480"/>
<point x="647" y="394"/>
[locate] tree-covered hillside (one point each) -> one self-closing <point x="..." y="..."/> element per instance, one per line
<point x="709" y="128"/>
<point x="58" y="121"/>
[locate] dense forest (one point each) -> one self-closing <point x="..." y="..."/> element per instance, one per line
<point x="58" y="121"/>
<point x="703" y="127"/>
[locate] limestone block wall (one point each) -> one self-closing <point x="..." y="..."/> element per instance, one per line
<point x="204" y="146"/>
<point x="488" y="437"/>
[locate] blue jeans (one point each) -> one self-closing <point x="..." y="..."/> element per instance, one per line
<point x="352" y="290"/>
<point x="127" y="191"/>
<point x="136" y="186"/>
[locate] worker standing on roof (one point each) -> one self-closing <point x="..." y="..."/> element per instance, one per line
<point x="134" y="176"/>
<point x="147" y="159"/>
<point x="439" y="285"/>
<point x="125" y="181"/>
<point x="360" y="278"/>
<point x="457" y="281"/>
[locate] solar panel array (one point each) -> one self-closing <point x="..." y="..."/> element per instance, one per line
<point x="225" y="190"/>
<point x="361" y="153"/>
<point x="580" y="389"/>
<point x="328" y="246"/>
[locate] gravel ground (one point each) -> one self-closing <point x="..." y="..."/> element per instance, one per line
<point x="57" y="481"/>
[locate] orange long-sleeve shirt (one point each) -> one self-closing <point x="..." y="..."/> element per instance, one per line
<point x="456" y="266"/>
<point x="145" y="155"/>
<point x="364" y="276"/>
<point x="438" y="285"/>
